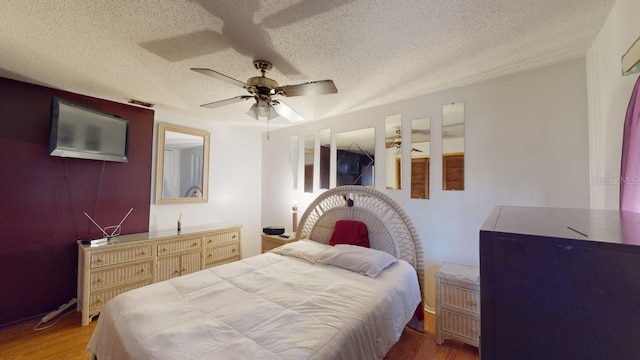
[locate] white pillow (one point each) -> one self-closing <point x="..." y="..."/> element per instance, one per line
<point x="304" y="249"/>
<point x="360" y="259"/>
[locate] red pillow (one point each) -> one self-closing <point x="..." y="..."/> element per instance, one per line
<point x="350" y="232"/>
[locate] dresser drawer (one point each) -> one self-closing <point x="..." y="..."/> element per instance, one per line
<point x="458" y="297"/>
<point x="221" y="262"/>
<point x="461" y="325"/>
<point x="179" y="246"/>
<point x="217" y="239"/>
<point x="98" y="299"/>
<point x="120" y="256"/>
<point x="122" y="274"/>
<point x="222" y="252"/>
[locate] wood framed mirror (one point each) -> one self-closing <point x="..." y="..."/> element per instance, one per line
<point x="182" y="165"/>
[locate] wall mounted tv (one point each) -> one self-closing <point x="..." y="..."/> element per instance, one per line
<point x="80" y="132"/>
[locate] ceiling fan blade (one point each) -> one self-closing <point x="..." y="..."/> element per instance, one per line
<point x="311" y="88"/>
<point x="233" y="100"/>
<point x="285" y="111"/>
<point x="421" y="131"/>
<point x="220" y="76"/>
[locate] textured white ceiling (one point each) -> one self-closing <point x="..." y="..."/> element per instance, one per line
<point x="375" y="51"/>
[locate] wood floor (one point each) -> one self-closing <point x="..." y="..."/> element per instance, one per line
<point x="67" y="340"/>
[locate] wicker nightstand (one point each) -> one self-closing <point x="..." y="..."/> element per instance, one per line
<point x="273" y="241"/>
<point x="458" y="303"/>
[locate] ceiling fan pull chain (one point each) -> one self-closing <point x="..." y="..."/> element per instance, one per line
<point x="268" y="130"/>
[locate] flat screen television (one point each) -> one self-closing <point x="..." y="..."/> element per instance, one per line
<point x="80" y="132"/>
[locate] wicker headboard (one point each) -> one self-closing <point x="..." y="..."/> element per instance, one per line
<point x="389" y="228"/>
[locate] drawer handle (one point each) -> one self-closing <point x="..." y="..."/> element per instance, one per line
<point x="141" y="270"/>
<point x="99" y="280"/>
<point x="233" y="250"/>
<point x="143" y="253"/>
<point x="175" y="272"/>
<point x="234" y="236"/>
<point x="210" y="255"/>
<point x="183" y="270"/>
<point x="210" y="241"/>
<point x="99" y="260"/>
<point x="195" y="244"/>
<point x="164" y="249"/>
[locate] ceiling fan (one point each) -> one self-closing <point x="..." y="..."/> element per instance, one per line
<point x="262" y="89"/>
<point x="396" y="140"/>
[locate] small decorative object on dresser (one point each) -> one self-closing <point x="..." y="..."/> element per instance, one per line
<point x="131" y="261"/>
<point x="458" y="303"/>
<point x="273" y="241"/>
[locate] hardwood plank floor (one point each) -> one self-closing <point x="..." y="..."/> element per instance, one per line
<point x="414" y="345"/>
<point x="67" y="341"/>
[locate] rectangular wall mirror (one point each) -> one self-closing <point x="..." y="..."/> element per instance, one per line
<point x="293" y="159"/>
<point x="355" y="163"/>
<point x="309" y="158"/>
<point x="420" y="157"/>
<point x="182" y="168"/>
<point x="453" y="146"/>
<point x="325" y="158"/>
<point x="393" y="151"/>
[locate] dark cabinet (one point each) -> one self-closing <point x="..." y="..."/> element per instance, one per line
<point x="560" y="284"/>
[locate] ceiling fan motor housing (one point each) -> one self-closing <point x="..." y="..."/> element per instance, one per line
<point x="263" y="85"/>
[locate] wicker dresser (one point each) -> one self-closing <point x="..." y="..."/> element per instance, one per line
<point x="135" y="260"/>
<point x="458" y="303"/>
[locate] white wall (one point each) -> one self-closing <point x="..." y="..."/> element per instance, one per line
<point x="609" y="94"/>
<point x="235" y="172"/>
<point x="526" y="144"/>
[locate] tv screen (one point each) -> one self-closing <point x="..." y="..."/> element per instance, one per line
<point x="84" y="133"/>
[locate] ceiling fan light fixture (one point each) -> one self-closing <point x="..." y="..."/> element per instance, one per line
<point x="272" y="114"/>
<point x="262" y="109"/>
<point x="252" y="111"/>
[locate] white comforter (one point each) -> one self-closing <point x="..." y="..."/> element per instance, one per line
<point x="264" y="307"/>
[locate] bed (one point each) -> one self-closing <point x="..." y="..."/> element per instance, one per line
<point x="305" y="300"/>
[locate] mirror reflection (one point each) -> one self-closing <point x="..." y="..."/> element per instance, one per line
<point x="420" y="157"/>
<point x="393" y="152"/>
<point x="182" y="165"/>
<point x="293" y="158"/>
<point x="355" y="163"/>
<point x="325" y="158"/>
<point x="309" y="157"/>
<point x="453" y="146"/>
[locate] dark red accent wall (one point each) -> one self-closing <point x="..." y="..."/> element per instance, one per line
<point x="42" y="197"/>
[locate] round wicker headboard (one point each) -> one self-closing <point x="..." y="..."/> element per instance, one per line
<point x="389" y="228"/>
